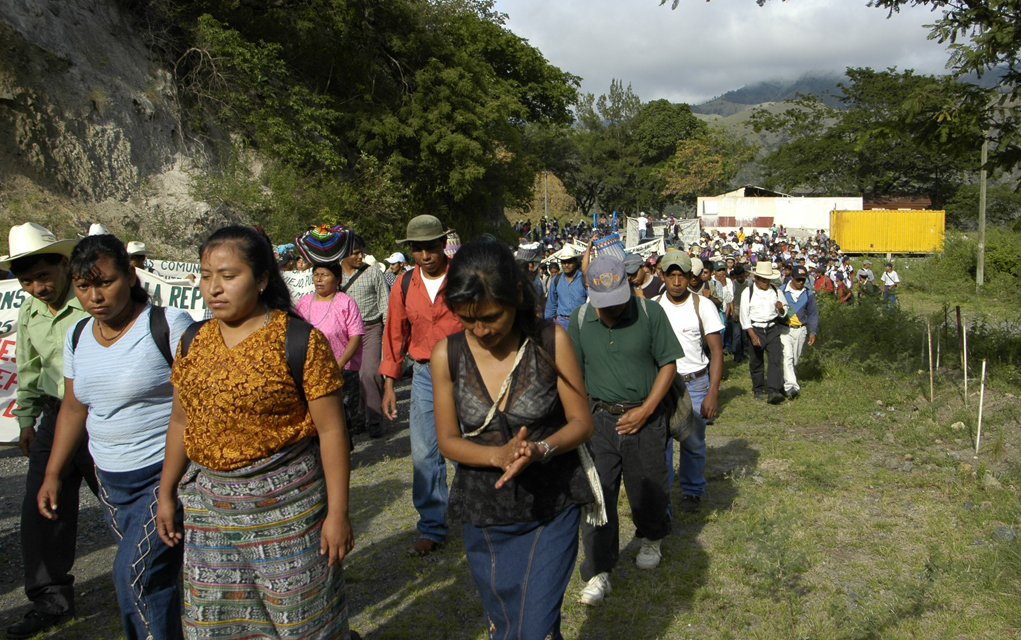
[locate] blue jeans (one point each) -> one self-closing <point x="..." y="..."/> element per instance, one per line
<point x="429" y="485"/>
<point x="145" y="570"/>
<point x="691" y="466"/>
<point x="735" y="340"/>
<point x="889" y="296"/>
<point x="521" y="571"/>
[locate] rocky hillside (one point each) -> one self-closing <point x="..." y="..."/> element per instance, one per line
<point x="90" y="130"/>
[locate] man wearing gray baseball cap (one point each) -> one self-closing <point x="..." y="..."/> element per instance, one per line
<point x="628" y="353"/>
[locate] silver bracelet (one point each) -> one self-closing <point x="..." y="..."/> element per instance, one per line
<point x="549" y="450"/>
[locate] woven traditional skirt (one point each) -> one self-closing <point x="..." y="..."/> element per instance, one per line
<point x="252" y="567"/>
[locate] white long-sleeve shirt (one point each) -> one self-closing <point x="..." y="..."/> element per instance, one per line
<point x="758" y="307"/>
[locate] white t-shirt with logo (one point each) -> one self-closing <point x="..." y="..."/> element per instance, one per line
<point x="685" y="325"/>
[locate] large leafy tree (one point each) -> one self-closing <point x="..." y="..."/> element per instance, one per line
<point x="439" y="92"/>
<point x="872" y="144"/>
<point x="704" y="163"/>
<point x="619" y="143"/>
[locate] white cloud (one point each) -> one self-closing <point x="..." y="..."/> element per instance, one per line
<point x="703" y="49"/>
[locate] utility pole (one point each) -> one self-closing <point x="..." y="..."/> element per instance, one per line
<point x="980" y="269"/>
<point x="545" y="199"/>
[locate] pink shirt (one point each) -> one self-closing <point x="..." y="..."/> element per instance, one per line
<point x="338" y="319"/>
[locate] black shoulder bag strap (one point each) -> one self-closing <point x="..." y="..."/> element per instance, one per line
<point x="405" y="285"/>
<point x="189" y="335"/>
<point x="296" y="349"/>
<point x="76" y="335"/>
<point x="160" y="330"/>
<point x="357" y="275"/>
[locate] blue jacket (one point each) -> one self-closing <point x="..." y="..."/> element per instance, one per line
<point x="807" y="312"/>
<point x="565" y="295"/>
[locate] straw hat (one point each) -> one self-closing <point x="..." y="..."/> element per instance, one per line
<point x="97" y="229"/>
<point x="30" y="239"/>
<point x="568" y="253"/>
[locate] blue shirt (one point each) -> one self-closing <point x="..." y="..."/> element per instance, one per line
<point x="565" y="295"/>
<point x="127" y="389"/>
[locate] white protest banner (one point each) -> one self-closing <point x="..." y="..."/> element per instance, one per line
<point x="177" y="292"/>
<point x="174" y="270"/>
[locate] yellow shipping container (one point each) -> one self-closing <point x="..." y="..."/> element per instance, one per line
<point x="888" y="231"/>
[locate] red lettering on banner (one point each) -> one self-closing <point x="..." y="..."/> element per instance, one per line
<point x="6" y="349"/>
<point x="7" y="412"/>
<point x="12" y="381"/>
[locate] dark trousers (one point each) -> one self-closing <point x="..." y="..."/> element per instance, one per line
<point x="370" y="408"/>
<point x="638" y="458"/>
<point x="737" y="340"/>
<point x="48" y="546"/>
<point x="145" y="569"/>
<point x="773" y="349"/>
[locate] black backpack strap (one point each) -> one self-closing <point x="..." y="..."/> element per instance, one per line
<point x="296" y="349"/>
<point x="160" y="330"/>
<point x="189" y="335"/>
<point x="405" y="285"/>
<point x="77" y="334"/>
<point x="357" y="275"/>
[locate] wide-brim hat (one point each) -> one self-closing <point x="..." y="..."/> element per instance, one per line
<point x="764" y="269"/>
<point x="31" y="239"/>
<point x="137" y="249"/>
<point x="568" y="253"/>
<point x="424" y="228"/>
<point x="325" y="245"/>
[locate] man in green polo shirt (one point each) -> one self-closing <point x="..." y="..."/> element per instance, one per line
<point x="40" y="262"/>
<point x="628" y="353"/>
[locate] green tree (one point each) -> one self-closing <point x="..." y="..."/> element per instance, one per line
<point x="879" y="143"/>
<point x="440" y="92"/>
<point x="704" y="163"/>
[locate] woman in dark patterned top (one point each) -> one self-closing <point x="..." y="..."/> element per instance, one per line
<point x="511" y="410"/>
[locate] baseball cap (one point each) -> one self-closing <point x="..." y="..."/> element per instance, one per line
<point x="719" y="265"/>
<point x="798" y="272"/>
<point x="632" y="263"/>
<point x="396" y="257"/>
<point x="607" y="282"/>
<point x="675" y="258"/>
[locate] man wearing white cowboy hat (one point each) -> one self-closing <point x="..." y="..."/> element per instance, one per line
<point x="567" y="292"/>
<point x="763" y="312"/>
<point x="137" y="254"/>
<point x="40" y="262"/>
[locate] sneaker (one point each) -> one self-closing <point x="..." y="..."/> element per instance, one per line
<point x="34" y="623"/>
<point x="596" y="590"/>
<point x="775" y="398"/>
<point x="649" y="555"/>
<point x="689" y="503"/>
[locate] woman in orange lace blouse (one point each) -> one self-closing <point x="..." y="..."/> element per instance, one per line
<point x="265" y="502"/>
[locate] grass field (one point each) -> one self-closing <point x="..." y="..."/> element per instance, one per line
<point x="859" y="510"/>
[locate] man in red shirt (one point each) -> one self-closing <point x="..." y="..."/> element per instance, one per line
<point x="416" y="320"/>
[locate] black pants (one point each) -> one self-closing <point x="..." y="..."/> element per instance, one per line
<point x="639" y="460"/>
<point x="770" y="340"/>
<point x="48" y="546"/>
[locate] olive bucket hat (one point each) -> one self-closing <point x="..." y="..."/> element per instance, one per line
<point x="423" y="229"/>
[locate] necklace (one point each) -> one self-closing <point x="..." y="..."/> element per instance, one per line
<point x="325" y="315"/>
<point x="131" y="310"/>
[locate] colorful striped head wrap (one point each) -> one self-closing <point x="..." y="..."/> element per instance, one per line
<point x="326" y="245"/>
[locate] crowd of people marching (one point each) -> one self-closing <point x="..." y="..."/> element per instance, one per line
<point x="220" y="449"/>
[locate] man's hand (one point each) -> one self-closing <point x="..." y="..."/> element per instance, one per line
<point x="632" y="421"/>
<point x="26" y="439"/>
<point x="811" y="339"/>
<point x="389" y="398"/>
<point x="755" y="339"/>
<point x="779" y="307"/>
<point x="709" y="407"/>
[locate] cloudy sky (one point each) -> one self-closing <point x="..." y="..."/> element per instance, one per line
<point x="703" y="49"/>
